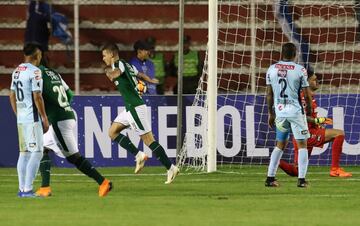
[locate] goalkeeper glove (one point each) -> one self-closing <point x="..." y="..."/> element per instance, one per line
<point x="323" y="120"/>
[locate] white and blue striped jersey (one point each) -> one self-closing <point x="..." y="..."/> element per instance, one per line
<point x="26" y="79"/>
<point x="287" y="79"/>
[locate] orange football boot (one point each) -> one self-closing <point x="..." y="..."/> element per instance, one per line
<point x="105" y="187"/>
<point x="44" y="191"/>
<point x="339" y="172"/>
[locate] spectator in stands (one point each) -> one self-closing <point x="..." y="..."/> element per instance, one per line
<point x="143" y="64"/>
<point x="38" y="25"/>
<point x="159" y="64"/>
<point x="192" y="67"/>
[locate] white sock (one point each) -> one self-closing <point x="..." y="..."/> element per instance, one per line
<point x="303" y="161"/>
<point x="274" y="161"/>
<point x="21" y="168"/>
<point x="140" y="153"/>
<point x="32" y="169"/>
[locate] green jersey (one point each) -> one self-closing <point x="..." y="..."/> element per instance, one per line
<point x="57" y="105"/>
<point x="126" y="84"/>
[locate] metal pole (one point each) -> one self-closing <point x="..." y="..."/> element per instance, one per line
<point x="212" y="86"/>
<point x="253" y="47"/>
<point x="180" y="76"/>
<point x="76" y="48"/>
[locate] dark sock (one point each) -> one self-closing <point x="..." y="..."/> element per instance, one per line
<point x="160" y="154"/>
<point x="125" y="142"/>
<point x="45" y="165"/>
<point x="85" y="167"/>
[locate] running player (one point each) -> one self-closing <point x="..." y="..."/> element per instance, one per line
<point x="318" y="137"/>
<point x="124" y="76"/>
<point x="284" y="81"/>
<point x="62" y="134"/>
<point x="27" y="103"/>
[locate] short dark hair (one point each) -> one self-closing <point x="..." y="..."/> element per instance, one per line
<point x="111" y="47"/>
<point x="142" y="45"/>
<point x="288" y="51"/>
<point x="30" y="49"/>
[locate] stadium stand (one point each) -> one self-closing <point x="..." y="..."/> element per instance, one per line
<point x="124" y="22"/>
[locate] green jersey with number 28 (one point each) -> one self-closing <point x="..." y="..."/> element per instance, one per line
<point x="57" y="105"/>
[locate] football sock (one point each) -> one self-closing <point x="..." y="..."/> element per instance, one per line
<point x="32" y="169"/>
<point x="21" y="168"/>
<point x="160" y="154"/>
<point x="274" y="161"/>
<point x="85" y="167"/>
<point x="289" y="169"/>
<point x="125" y="142"/>
<point x="303" y="162"/>
<point x="336" y="150"/>
<point x="45" y="165"/>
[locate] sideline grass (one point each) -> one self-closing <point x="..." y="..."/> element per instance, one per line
<point x="229" y="197"/>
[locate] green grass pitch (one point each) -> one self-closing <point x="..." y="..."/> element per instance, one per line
<point x="234" y="196"/>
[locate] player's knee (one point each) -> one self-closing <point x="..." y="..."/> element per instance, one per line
<point x="74" y="158"/>
<point x="46" y="150"/>
<point x="113" y="132"/>
<point x="340" y="133"/>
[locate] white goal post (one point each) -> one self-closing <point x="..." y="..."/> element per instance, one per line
<point x="228" y="119"/>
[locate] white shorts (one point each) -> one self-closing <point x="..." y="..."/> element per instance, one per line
<point x="30" y="137"/>
<point x="298" y="126"/>
<point x="62" y="138"/>
<point x="137" y="119"/>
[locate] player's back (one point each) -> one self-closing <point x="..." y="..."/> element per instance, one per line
<point x="57" y="105"/>
<point x="26" y="79"/>
<point x="287" y="79"/>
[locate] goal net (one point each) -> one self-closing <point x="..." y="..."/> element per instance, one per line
<point x="250" y="35"/>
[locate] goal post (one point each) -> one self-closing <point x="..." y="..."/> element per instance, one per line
<point x="212" y="86"/>
<point x="227" y="122"/>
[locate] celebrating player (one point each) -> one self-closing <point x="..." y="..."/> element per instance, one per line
<point x="284" y="80"/>
<point x="124" y="76"/>
<point x="318" y="137"/>
<point x="26" y="88"/>
<point x="62" y="135"/>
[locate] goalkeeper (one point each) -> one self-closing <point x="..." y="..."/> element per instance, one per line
<point x="319" y="137"/>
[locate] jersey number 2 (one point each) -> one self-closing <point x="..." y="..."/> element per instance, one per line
<point x="283" y="85"/>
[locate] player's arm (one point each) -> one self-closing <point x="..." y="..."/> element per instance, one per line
<point x="68" y="91"/>
<point x="37" y="87"/>
<point x="270" y="104"/>
<point x="308" y="100"/>
<point x="12" y="97"/>
<point x="39" y="102"/>
<point x="112" y="74"/>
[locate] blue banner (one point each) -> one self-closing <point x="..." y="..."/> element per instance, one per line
<point x="242" y="129"/>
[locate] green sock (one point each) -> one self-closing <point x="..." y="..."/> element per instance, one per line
<point x="45" y="165"/>
<point x="160" y="154"/>
<point x="85" y="167"/>
<point x="125" y="142"/>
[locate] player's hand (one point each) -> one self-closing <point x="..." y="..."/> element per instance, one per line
<point x="323" y="120"/>
<point x="271" y="120"/>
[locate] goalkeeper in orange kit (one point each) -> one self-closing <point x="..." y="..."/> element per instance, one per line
<point x="318" y="137"/>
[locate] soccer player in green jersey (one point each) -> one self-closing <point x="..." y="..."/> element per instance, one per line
<point x="124" y="76"/>
<point x="63" y="133"/>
